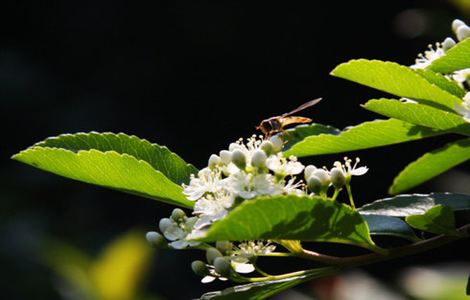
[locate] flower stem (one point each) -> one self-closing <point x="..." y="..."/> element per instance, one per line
<point x="277" y="254"/>
<point x="310" y="274"/>
<point x="335" y="194"/>
<point x="351" y="200"/>
<point x="294" y="246"/>
<point x="261" y="271"/>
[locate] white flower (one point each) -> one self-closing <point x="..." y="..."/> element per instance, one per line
<point x="177" y="233"/>
<point x="349" y="170"/>
<point x="242" y="254"/>
<point x="264" y="184"/>
<point x="424" y="60"/>
<point x="207" y="181"/>
<point x="461" y="76"/>
<point x="248" y="186"/>
<point x="280" y="165"/>
<point x="293" y="187"/>
<point x="213" y="275"/>
<point x="464" y="108"/>
<point x="241" y="265"/>
<point x="212" y="205"/>
<point x="212" y="208"/>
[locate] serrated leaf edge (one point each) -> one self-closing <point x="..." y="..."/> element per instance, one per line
<point x="132" y="136"/>
<point x="393" y="189"/>
<point x="79" y="153"/>
<point x="352" y="61"/>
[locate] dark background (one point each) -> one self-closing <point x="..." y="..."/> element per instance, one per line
<point x="191" y="75"/>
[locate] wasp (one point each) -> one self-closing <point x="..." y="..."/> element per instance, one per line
<point x="276" y="124"/>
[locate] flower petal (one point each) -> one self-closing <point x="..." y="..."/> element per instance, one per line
<point x="359" y="171"/>
<point x="242" y="267"/>
<point x="208" y="279"/>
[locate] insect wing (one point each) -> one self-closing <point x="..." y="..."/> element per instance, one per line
<point x="285" y="121"/>
<point x="302" y="107"/>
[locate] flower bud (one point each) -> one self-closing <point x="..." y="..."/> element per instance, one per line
<point x="233" y="146"/>
<point x="337" y="177"/>
<point x="239" y="159"/>
<point x="277" y="142"/>
<point x="222" y="266"/>
<point x="155" y="239"/>
<point x="463" y="32"/>
<point x="199" y="268"/>
<point x="223" y="246"/>
<point x="214" y="160"/>
<point x="164" y="224"/>
<point x="178" y="214"/>
<point x="308" y="171"/>
<point x="314" y="185"/>
<point x="448" y="43"/>
<point x="456" y="24"/>
<point x="212" y="254"/>
<point x="225" y="156"/>
<point x="323" y="176"/>
<point x="267" y="147"/>
<point x="259" y="158"/>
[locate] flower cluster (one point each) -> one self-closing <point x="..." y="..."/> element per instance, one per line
<point x="175" y="229"/>
<point x="461" y="77"/>
<point x="241" y="173"/>
<point x="462" y="31"/>
<point x="227" y="260"/>
<point x="464" y="108"/>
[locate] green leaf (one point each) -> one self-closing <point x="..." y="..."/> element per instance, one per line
<point x="394" y="79"/>
<point x="265" y="289"/>
<point x="414" y="204"/>
<point x="391" y="226"/>
<point x="120" y="268"/>
<point x="299" y="133"/>
<point x="159" y="157"/>
<point x="467" y="291"/>
<point x="115" y="274"/>
<point x="455" y="59"/>
<point x="292" y="218"/>
<point x="70" y="264"/>
<point x="438" y="219"/>
<point x="419" y="114"/>
<point x="108" y="169"/>
<point x="441" y="81"/>
<point x="430" y="165"/>
<point x="365" y="135"/>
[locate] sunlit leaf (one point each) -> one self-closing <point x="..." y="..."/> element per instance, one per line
<point x="455" y="59"/>
<point x="159" y="157"/>
<point x="298" y="133"/>
<point x="108" y="169"/>
<point x="292" y="218"/>
<point x="442" y="81"/>
<point x="363" y="136"/>
<point x="430" y="165"/>
<point x="395" y="79"/>
<point x="420" y="115"/>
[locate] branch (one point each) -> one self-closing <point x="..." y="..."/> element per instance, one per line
<point x="418" y="247"/>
